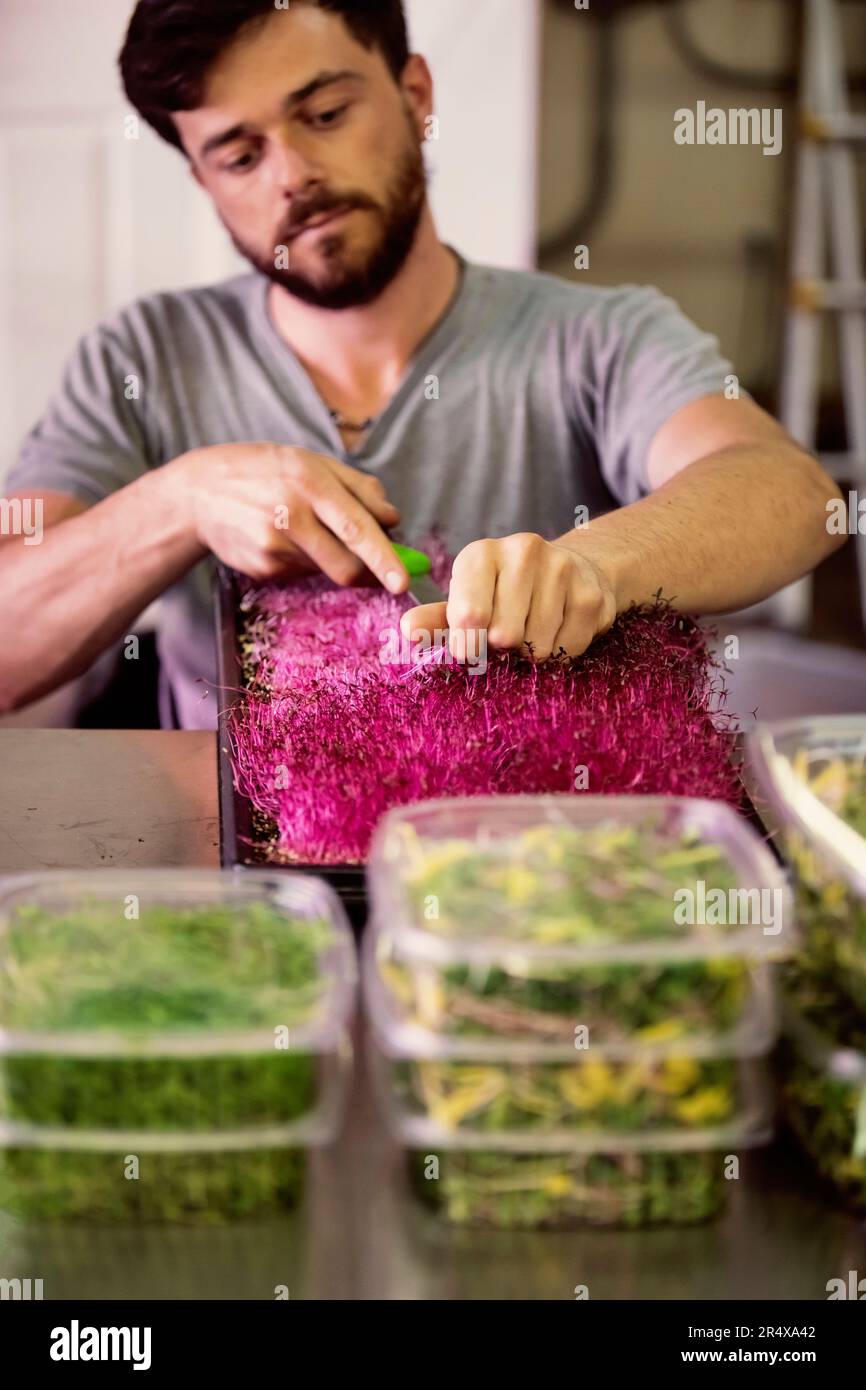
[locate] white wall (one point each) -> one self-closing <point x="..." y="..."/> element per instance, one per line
<point x="90" y="218"/>
<point x="485" y="57"/>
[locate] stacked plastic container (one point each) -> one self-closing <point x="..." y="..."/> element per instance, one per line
<point x="811" y="781"/>
<point x="171" y="1042"/>
<point x="568" y="1025"/>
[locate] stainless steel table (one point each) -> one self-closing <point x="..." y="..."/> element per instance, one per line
<point x="90" y="799"/>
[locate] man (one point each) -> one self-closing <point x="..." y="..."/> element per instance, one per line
<point x="364" y="376"/>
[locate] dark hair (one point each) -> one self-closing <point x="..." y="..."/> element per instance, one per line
<point x="171" y="44"/>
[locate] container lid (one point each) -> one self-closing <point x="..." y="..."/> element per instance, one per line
<point x="577" y="879"/>
<point x="144" y="963"/>
<point x="750" y="1125"/>
<point x="805" y="768"/>
<point x="316" y="1126"/>
<point x="399" y="1036"/>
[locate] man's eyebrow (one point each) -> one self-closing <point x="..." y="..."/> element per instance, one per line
<point x="323" y="79"/>
<point x="296" y="98"/>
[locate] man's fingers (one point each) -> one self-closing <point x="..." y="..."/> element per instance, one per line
<point x="473" y="583"/>
<point x="368" y="490"/>
<point x="359" y="531"/>
<point x="324" y="550"/>
<point x="470" y="597"/>
<point x="511" y="605"/>
<point x="428" y="618"/>
<point x="547" y="610"/>
<point x="575" y="634"/>
<point x="585" y="617"/>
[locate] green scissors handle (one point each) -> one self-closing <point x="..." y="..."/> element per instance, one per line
<point x="422" y="586"/>
<point x="416" y="561"/>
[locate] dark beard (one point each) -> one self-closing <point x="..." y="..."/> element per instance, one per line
<point x="352" y="287"/>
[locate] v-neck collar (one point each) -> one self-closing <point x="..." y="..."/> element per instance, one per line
<point x="285" y="358"/>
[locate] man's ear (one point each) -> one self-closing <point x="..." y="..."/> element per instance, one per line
<point x="193" y="169"/>
<point x="416" y="82"/>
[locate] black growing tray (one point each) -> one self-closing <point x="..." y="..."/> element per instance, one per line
<point x="348" y="880"/>
<point x="236" y="826"/>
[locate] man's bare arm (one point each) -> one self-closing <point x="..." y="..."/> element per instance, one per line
<point x="264" y="509"/>
<point x="739" y="511"/>
<point x="68" y="598"/>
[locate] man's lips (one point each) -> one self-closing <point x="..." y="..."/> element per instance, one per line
<point x="321" y="220"/>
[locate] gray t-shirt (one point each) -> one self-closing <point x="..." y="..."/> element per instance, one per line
<point x="532" y="397"/>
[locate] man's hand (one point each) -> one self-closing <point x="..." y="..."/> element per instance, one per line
<point x="528" y="594"/>
<point x="270" y="510"/>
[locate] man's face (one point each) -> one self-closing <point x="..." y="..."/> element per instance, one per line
<point x="311" y="154"/>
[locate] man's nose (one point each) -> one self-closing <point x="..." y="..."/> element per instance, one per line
<point x="293" y="170"/>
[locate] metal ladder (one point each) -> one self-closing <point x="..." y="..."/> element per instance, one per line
<point x="826" y="273"/>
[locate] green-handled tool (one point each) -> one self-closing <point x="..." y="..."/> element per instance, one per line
<point x="422" y="586"/>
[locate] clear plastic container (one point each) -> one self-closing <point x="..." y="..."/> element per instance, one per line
<point x="525" y="1141"/>
<point x="563" y="1191"/>
<point x="812" y="775"/>
<point x="821" y="1070"/>
<point x="171" y="1042"/>
<point x="574" y="1174"/>
<point x="533" y="918"/>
